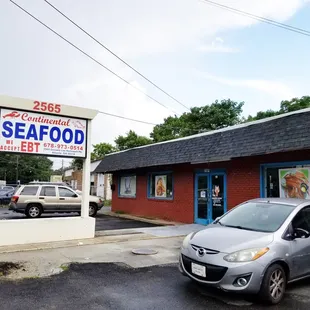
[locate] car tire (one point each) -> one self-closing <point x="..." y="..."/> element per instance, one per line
<point x="273" y="285"/>
<point x="33" y="211"/>
<point x="93" y="210"/>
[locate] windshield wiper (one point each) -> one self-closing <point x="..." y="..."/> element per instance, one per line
<point x="241" y="227"/>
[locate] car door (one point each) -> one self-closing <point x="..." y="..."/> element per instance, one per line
<point x="68" y="200"/>
<point x="300" y="247"/>
<point x="49" y="198"/>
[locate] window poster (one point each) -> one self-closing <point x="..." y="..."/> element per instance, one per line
<point x="294" y="183"/>
<point x="161" y="186"/>
<point x="128" y="186"/>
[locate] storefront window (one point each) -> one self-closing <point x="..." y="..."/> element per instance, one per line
<point x="287" y="182"/>
<point x="160" y="186"/>
<point x="127" y="186"/>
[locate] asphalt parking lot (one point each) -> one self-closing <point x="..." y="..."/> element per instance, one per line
<point x="113" y="286"/>
<point x="103" y="222"/>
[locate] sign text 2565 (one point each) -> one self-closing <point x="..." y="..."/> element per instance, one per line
<point x="46" y="107"/>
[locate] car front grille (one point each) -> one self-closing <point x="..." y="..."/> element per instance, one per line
<point x="206" y="250"/>
<point x="214" y="273"/>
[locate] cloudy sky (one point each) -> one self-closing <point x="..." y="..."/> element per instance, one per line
<point x="196" y="52"/>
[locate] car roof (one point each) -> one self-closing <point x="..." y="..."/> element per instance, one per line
<point x="294" y="202"/>
<point x="47" y="184"/>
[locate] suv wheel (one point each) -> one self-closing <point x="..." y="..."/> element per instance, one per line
<point x="273" y="285"/>
<point x="92" y="210"/>
<point x="34" y="211"/>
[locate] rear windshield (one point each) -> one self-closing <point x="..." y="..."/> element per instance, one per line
<point x="29" y="191"/>
<point x="257" y="216"/>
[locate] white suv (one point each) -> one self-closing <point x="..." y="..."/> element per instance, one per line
<point x="35" y="199"/>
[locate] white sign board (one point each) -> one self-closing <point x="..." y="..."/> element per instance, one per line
<point x="42" y="134"/>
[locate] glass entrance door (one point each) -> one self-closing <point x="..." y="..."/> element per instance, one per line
<point x="210" y="197"/>
<point x="203" y="196"/>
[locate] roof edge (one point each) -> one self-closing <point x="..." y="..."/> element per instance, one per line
<point x="211" y="132"/>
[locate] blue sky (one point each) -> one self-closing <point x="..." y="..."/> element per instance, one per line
<point x="196" y="52"/>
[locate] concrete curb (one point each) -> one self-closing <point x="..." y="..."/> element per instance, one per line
<point x="141" y="219"/>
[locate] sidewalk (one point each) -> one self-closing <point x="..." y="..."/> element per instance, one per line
<point x="41" y="260"/>
<point x="107" y="211"/>
<point x="43" y="263"/>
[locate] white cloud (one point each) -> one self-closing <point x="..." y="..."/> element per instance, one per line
<point x="217" y="46"/>
<point x="272" y="87"/>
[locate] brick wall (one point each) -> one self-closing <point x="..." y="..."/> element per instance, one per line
<point x="243" y="183"/>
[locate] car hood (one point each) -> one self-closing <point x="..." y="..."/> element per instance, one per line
<point x="229" y="240"/>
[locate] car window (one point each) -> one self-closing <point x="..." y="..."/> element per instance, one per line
<point x="29" y="191"/>
<point x="65" y="192"/>
<point x="49" y="191"/>
<point x="257" y="216"/>
<point x="302" y="219"/>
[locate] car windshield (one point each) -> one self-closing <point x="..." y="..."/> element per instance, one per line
<point x="257" y="216"/>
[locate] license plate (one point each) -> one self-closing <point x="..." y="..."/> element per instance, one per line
<point x="198" y="270"/>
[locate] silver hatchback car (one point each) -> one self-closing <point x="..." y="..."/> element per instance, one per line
<point x="257" y="248"/>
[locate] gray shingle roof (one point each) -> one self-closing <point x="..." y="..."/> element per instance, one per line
<point x="276" y="134"/>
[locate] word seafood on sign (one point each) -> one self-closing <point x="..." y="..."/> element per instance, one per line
<point x="52" y="135"/>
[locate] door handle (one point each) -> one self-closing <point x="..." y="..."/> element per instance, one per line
<point x="61" y="198"/>
<point x="41" y="197"/>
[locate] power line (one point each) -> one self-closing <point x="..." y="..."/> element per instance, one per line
<point x="92" y="58"/>
<point x="259" y="18"/>
<point x="127" y="118"/>
<point x="114" y="54"/>
<point x="147" y="123"/>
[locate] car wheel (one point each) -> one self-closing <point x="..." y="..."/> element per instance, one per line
<point x="92" y="210"/>
<point x="34" y="211"/>
<point x="273" y="285"/>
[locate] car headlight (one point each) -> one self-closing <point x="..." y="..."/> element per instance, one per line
<point x="246" y="255"/>
<point x="186" y="240"/>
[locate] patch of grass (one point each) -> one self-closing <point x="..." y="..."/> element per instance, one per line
<point x="120" y="212"/>
<point x="107" y="203"/>
<point x="64" y="267"/>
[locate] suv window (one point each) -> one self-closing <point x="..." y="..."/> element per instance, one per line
<point x="29" y="191"/>
<point x="65" y="192"/>
<point x="49" y="191"/>
<point x="302" y="219"/>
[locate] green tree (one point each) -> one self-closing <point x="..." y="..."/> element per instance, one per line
<point x="295" y="104"/>
<point x="131" y="140"/>
<point x="286" y="106"/>
<point x="102" y="149"/>
<point x="200" y="119"/>
<point x="262" y="114"/>
<point x="25" y="168"/>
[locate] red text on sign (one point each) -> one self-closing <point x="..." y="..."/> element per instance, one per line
<point x="30" y="147"/>
<point x="47" y="107"/>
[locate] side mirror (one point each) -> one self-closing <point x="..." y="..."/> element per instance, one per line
<point x="300" y="233"/>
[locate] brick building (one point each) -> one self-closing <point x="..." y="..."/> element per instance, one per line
<point x="198" y="178"/>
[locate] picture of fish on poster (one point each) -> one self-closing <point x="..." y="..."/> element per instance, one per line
<point x="161" y="186"/>
<point x="294" y="183"/>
